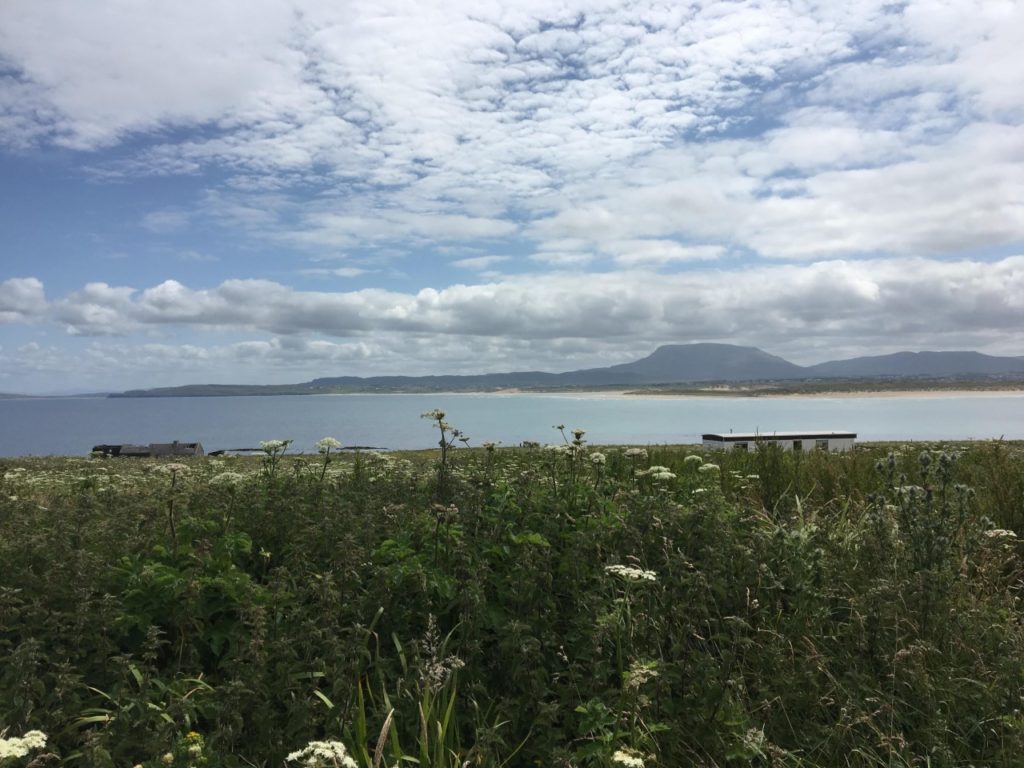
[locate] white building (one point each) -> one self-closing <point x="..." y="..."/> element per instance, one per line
<point x="788" y="441"/>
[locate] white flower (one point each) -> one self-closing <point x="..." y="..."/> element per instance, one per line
<point x="693" y="458"/>
<point x="435" y="415"/>
<point x="598" y="459"/>
<point x="628" y="758"/>
<point x="273" y="445"/>
<point x="19" y="747"/>
<point x="707" y="468"/>
<point x="325" y="444"/>
<point x="636" y="453"/>
<point x="174" y="468"/>
<point x="323" y="754"/>
<point x="660" y="473"/>
<point x="1000" y="533"/>
<point x="630" y="573"/>
<point x="227" y="478"/>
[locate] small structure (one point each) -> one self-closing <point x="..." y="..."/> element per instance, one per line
<point x="787" y="441"/>
<point x="155" y="450"/>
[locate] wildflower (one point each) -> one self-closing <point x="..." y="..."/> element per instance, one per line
<point x="270" y="446"/>
<point x="693" y="458"/>
<point x="227" y="478"/>
<point x="1000" y="533"/>
<point x="167" y="758"/>
<point x="327" y="444"/>
<point x="636" y="453"/>
<point x="578" y="433"/>
<point x="173" y="468"/>
<point x="708" y="468"/>
<point x="641" y="672"/>
<point x="323" y="754"/>
<point x="598" y="459"/>
<point x="21" y="746"/>
<point x="628" y="758"/>
<point x="435" y="415"/>
<point x="660" y="473"/>
<point x="630" y="573"/>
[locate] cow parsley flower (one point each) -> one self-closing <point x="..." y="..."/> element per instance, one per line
<point x="174" y="468"/>
<point x="1000" y="533"/>
<point x="708" y="468"/>
<point x="20" y="746"/>
<point x="227" y="478"/>
<point x="323" y="754"/>
<point x="660" y="473"/>
<point x="327" y="444"/>
<point x="628" y="758"/>
<point x="693" y="458"/>
<point x="598" y="459"/>
<point x="629" y="573"/>
<point x="636" y="453"/>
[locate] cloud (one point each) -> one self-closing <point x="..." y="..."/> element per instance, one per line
<point x="632" y="253"/>
<point x="22" y="299"/>
<point x="794" y="131"/>
<point x="480" y="262"/>
<point x="165" y="221"/>
<point x="848" y="299"/>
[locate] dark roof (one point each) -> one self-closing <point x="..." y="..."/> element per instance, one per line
<point x="737" y="437"/>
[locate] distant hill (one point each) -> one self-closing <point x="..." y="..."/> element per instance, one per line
<point x="667" y="365"/>
<point x="920" y="364"/>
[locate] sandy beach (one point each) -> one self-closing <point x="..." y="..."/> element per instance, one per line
<point x="751" y="394"/>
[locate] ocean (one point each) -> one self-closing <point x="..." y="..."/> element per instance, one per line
<point x="71" y="426"/>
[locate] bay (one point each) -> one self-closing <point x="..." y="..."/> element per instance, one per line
<point x="71" y="426"/>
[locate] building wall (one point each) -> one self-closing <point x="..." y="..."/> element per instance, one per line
<point x="840" y="444"/>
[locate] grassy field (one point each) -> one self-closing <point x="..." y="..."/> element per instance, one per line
<point x="531" y="606"/>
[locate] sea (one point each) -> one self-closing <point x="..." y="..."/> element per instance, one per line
<point x="71" y="426"/>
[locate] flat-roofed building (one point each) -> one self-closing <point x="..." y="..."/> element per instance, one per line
<point x="787" y="441"/>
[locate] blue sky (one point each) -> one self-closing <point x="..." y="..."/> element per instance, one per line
<point x="269" y="191"/>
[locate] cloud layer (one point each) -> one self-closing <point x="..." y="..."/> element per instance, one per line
<point x="521" y="183"/>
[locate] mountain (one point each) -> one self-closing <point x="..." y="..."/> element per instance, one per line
<point x="675" y="363"/>
<point x="669" y="364"/>
<point x="919" y="364"/>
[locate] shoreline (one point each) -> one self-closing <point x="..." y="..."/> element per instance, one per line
<point x="623" y="394"/>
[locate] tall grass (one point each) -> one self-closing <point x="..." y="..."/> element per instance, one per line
<point x="563" y="606"/>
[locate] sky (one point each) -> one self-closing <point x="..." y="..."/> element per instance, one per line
<point x="262" y="191"/>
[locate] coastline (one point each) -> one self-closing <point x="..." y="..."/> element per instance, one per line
<point x="600" y="394"/>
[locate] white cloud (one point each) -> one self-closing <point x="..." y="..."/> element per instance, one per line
<point x="21" y="299"/>
<point x="165" y="221"/>
<point x="648" y="158"/>
<point x="478" y="263"/>
<point x="849" y="299"/>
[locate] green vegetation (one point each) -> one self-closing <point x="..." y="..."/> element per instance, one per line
<point x="556" y="606"/>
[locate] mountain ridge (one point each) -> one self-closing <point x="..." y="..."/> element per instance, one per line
<point x="669" y="364"/>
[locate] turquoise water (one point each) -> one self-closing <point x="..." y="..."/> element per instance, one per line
<point x="71" y="426"/>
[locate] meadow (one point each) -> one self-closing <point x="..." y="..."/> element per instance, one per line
<point x="556" y="605"/>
